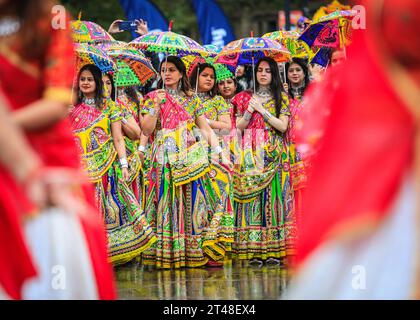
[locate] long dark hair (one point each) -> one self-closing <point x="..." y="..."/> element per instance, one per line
<point x="302" y="63"/>
<point x="34" y="33"/>
<point x="97" y="76"/>
<point x="275" y="84"/>
<point x="185" y="83"/>
<point x="112" y="85"/>
<point x="199" y="68"/>
<point x="131" y="94"/>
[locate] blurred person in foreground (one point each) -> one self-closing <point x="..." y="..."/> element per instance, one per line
<point x="62" y="228"/>
<point x="359" y="236"/>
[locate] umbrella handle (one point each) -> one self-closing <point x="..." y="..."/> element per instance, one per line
<point x="163" y="78"/>
<point x="253" y="71"/>
<point x="196" y="81"/>
<point x="284" y="71"/>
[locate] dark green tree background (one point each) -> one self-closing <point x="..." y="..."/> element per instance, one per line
<point x="104" y="12"/>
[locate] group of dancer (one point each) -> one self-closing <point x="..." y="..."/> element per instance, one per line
<point x="188" y="175"/>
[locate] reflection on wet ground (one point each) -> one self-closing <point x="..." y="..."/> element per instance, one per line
<point x="235" y="281"/>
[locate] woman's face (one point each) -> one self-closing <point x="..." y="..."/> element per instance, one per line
<point x="296" y="74"/>
<point x="206" y="80"/>
<point x="337" y="57"/>
<point x="170" y="74"/>
<point x="264" y="74"/>
<point x="227" y="88"/>
<point x="107" y="86"/>
<point x="87" y="83"/>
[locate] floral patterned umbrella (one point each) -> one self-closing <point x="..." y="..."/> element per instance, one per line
<point x="125" y="76"/>
<point x="339" y="14"/>
<point x="289" y="39"/>
<point x="212" y="49"/>
<point x="332" y="30"/>
<point x="222" y="72"/>
<point x="249" y="50"/>
<point x="168" y="42"/>
<point x="136" y="61"/>
<point x="89" y="54"/>
<point x="89" y="32"/>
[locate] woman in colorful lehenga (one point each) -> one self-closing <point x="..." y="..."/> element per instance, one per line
<point x="297" y="82"/>
<point x="265" y="222"/>
<point x="220" y="188"/>
<point x="131" y="102"/>
<point x="97" y="126"/>
<point x="227" y="88"/>
<point x="131" y="132"/>
<point x="177" y="204"/>
<point x="62" y="229"/>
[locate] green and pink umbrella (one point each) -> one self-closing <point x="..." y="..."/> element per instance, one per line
<point x="131" y="62"/>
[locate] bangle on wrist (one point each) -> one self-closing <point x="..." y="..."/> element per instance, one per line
<point x="123" y="163"/>
<point x="141" y="149"/>
<point x="218" y="149"/>
<point x="124" y="120"/>
<point x="267" y="115"/>
<point x="247" y="115"/>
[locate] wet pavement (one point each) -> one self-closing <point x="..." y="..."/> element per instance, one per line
<point x="235" y="281"/>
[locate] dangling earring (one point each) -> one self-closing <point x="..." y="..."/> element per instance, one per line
<point x="80" y="94"/>
<point x="180" y="84"/>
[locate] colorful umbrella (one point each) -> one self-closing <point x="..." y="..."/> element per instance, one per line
<point x="168" y="42"/>
<point x="222" y="72"/>
<point x="191" y="62"/>
<point x="344" y="18"/>
<point x="111" y="45"/>
<point x="89" y="54"/>
<point x="89" y="32"/>
<point x="322" y="34"/>
<point x="333" y="6"/>
<point x="331" y="31"/>
<point x="289" y="39"/>
<point x="321" y="57"/>
<point x="125" y="76"/>
<point x="140" y="66"/>
<point x="339" y="14"/>
<point x="212" y="49"/>
<point x="249" y="50"/>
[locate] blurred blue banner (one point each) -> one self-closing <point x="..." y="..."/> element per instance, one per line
<point x="146" y="10"/>
<point x="214" y="26"/>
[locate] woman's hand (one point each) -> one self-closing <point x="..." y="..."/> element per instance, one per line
<point x="286" y="87"/>
<point x="142" y="28"/>
<point x="160" y="97"/>
<point x="125" y="174"/>
<point x="142" y="157"/>
<point x="256" y="104"/>
<point x="115" y="27"/>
